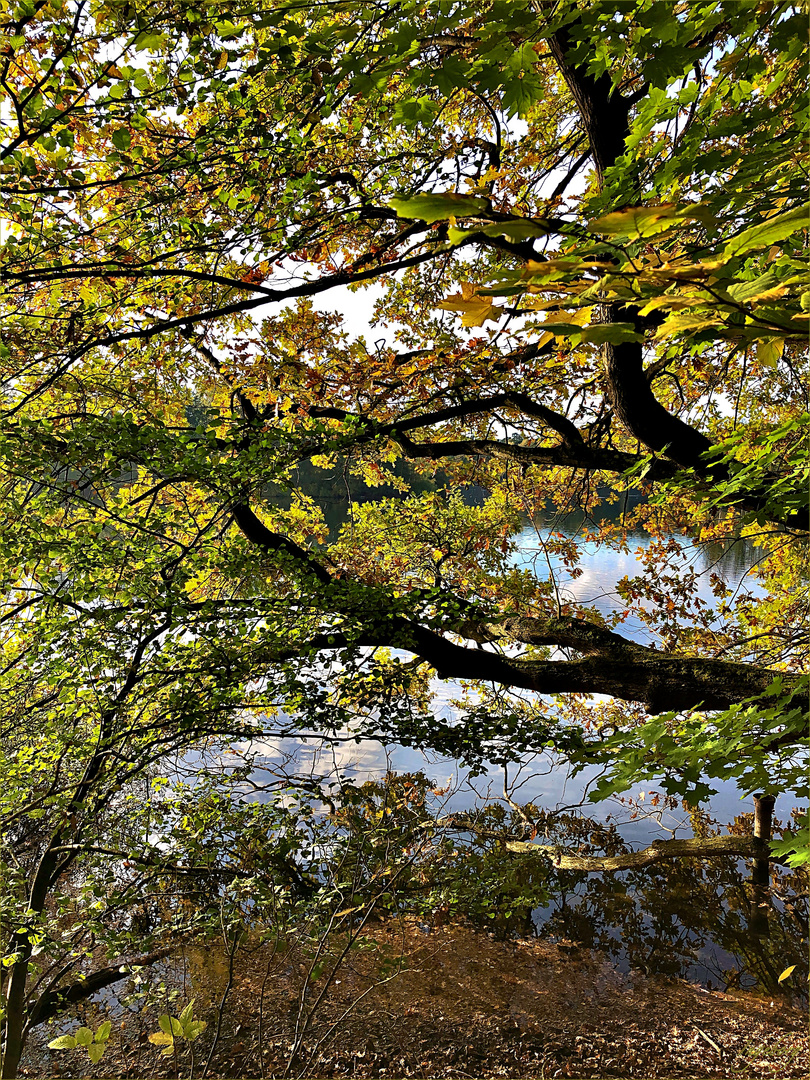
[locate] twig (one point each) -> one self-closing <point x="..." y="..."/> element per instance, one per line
<point x="231" y="955"/>
<point x="711" y="1042"/>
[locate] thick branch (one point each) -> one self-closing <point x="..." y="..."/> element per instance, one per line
<point x="566" y="631"/>
<point x="658" y="851"/>
<point x="659" y="681"/>
<point x="605" y="115"/>
<point x="614" y="665"/>
<point x="697" y="848"/>
<point x="603" y="110"/>
<point x="54" y="1001"/>
<point x="257" y="532"/>
<point x="573" y="456"/>
<point x="637" y="407"/>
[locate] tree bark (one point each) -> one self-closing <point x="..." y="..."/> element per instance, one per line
<point x="761" y="868"/>
<point x="53" y="1001"/>
<point x="658" y="851"/>
<point x="604" y="112"/>
<point x="605" y="116"/>
<point x="21" y="945"/>
<point x="581" y="456"/>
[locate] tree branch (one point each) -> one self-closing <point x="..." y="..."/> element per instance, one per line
<point x="605" y="115"/>
<point x="579" y="456"/>
<point x="659" y="681"/>
<point x="660" y="850"/>
<point x="51" y="1002"/>
<point x="257" y="532"/>
<point x="567" y="631"/>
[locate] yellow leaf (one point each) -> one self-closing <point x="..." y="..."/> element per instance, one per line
<point x="557" y="267"/>
<point x="675" y="303"/>
<point x="786" y="973"/>
<point x="675" y="323"/>
<point x="582" y="317"/>
<point x="479" y="313"/>
<point x="474" y="309"/>
<point x="160" y="1038"/>
<point x="565" y="317"/>
<point x="686" y="271"/>
<point x="769" y="351"/>
<point x="645" y="220"/>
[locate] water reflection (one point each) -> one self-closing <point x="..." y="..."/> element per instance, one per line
<point x="593" y="581"/>
<point x="692" y="919"/>
<point x="689" y="918"/>
<point x="335" y="493"/>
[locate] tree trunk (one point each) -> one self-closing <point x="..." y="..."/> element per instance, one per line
<point x="21" y="945"/>
<point x="761" y="868"/>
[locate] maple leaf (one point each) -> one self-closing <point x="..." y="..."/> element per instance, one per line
<point x="474" y="308"/>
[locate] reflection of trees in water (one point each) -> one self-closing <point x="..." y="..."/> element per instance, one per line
<point x="685" y="917"/>
<point x="334" y="490"/>
<point x="729" y="559"/>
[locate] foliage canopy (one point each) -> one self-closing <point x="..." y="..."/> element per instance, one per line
<point x="584" y="230"/>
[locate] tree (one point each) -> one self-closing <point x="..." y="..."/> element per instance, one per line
<point x="587" y="240"/>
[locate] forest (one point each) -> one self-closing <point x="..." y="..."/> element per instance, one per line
<point x="395" y="391"/>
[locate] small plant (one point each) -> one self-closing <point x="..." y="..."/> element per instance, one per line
<point x="177" y="1027"/>
<point x="94" y="1043"/>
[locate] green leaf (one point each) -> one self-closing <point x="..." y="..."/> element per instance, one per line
<point x="439" y="206"/>
<point x="769" y="232"/>
<point x="748" y="291"/>
<point x="614" y="333"/>
<point x="103" y="1032"/>
<point x="515" y="231"/>
<point x="63" y="1042"/>
<point x="84" y="1036"/>
<point x="186" y="1014"/>
<point x="413" y="111"/>
<point x="96" y="1051"/>
<point x="151" y="40"/>
<point x="676" y="324"/>
<point x="166" y="1023"/>
<point x="643" y="221"/>
<point x="794" y="847"/>
<point x="769" y="350"/>
<point x="121" y="139"/>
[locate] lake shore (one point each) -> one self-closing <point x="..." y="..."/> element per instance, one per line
<point x="450" y="1001"/>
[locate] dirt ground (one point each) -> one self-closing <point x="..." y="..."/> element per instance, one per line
<point x="455" y="1003"/>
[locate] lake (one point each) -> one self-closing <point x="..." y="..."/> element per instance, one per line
<point x="545" y="781"/>
<point x="689" y="920"/>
